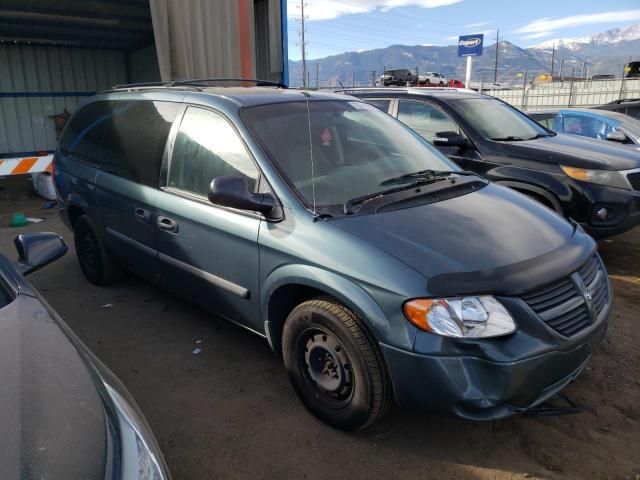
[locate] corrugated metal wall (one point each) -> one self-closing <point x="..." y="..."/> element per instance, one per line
<point x="37" y="82"/>
<point x="143" y="65"/>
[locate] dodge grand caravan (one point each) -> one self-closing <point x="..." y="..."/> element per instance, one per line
<point x="367" y="259"/>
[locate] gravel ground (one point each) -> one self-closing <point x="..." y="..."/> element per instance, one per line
<point x="230" y="412"/>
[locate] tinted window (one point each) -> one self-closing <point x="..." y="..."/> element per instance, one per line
<point x="425" y="119"/>
<point x="135" y="138"/>
<point x="381" y="104"/>
<point x="83" y="135"/>
<point x="207" y="147"/>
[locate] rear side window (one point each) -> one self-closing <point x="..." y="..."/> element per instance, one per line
<point x="135" y="137"/>
<point x="425" y="119"/>
<point x="207" y="147"/>
<point x="381" y="104"/>
<point x="83" y="135"/>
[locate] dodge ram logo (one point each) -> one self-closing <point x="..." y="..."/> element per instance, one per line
<point x="470" y="42"/>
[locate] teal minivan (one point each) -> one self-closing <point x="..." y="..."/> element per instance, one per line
<point x="369" y="261"/>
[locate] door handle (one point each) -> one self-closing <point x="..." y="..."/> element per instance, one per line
<point x="167" y="224"/>
<point x="142" y="214"/>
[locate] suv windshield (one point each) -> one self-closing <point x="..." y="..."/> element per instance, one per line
<point x="497" y="120"/>
<point x="354" y="146"/>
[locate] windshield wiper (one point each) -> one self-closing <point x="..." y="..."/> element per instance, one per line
<point x="542" y="135"/>
<point x="425" y="174"/>
<point x="510" y="138"/>
<point x="349" y="204"/>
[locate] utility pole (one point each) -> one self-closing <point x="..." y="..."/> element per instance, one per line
<point x="303" y="44"/>
<point x="495" y="65"/>
<point x="561" y="70"/>
<point x="317" y="75"/>
<point x="553" y="59"/>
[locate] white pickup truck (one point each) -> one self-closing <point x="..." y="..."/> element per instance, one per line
<point x="432" y="78"/>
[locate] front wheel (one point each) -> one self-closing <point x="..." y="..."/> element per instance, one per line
<point x="335" y="365"/>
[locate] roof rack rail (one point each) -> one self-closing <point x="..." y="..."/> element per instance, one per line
<point x="624" y="100"/>
<point x="258" y="82"/>
<point x="143" y="84"/>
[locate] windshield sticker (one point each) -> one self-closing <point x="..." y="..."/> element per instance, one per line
<point x="326" y="137"/>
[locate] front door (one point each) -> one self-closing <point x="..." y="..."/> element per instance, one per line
<point x="209" y="253"/>
<point x="428" y="121"/>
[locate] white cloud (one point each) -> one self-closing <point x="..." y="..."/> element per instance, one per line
<point x="550" y="24"/>
<point x="537" y="35"/>
<point x="476" y="25"/>
<point x="328" y="9"/>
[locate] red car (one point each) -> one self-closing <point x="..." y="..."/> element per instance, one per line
<point x="455" y="83"/>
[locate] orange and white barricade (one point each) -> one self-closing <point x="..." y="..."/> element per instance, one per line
<point x="17" y="166"/>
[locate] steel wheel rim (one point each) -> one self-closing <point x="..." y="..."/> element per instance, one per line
<point x="326" y="367"/>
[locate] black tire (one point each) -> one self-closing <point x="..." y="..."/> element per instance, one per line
<point x="441" y="84"/>
<point x="96" y="262"/>
<point x="335" y="365"/>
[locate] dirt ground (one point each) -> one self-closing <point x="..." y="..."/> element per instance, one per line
<point x="230" y="412"/>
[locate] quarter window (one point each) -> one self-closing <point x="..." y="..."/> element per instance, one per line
<point x="381" y="104"/>
<point x="83" y="135"/>
<point x="207" y="147"/>
<point x="425" y="119"/>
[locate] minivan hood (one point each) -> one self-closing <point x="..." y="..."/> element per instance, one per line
<point x="486" y="229"/>
<point x="575" y="151"/>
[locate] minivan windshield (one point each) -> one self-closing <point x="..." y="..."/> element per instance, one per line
<point x="497" y="120"/>
<point x="332" y="151"/>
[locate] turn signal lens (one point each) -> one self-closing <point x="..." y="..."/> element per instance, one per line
<point x="471" y="317"/>
<point x="610" y="178"/>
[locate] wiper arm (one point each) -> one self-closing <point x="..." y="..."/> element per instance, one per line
<point x="349" y="204"/>
<point x="426" y="174"/>
<point x="541" y="135"/>
<point x="510" y="138"/>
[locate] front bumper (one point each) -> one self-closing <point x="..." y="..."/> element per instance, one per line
<point x="481" y="388"/>
<point x="624" y="206"/>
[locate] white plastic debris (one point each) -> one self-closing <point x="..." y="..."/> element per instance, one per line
<point x="196" y="351"/>
<point x="198" y="342"/>
<point x="107" y="305"/>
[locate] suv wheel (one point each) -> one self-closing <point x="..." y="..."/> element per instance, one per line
<point x="96" y="262"/>
<point x="335" y="365"/>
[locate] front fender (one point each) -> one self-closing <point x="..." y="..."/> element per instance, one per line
<point x="344" y="290"/>
<point x="550" y="186"/>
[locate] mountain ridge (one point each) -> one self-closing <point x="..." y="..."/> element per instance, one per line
<point x="591" y="54"/>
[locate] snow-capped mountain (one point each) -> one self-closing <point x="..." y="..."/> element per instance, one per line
<point x="616" y="35"/>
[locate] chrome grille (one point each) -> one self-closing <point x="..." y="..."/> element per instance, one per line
<point x="634" y="180"/>
<point x="563" y="304"/>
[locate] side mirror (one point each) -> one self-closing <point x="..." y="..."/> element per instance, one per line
<point x="450" y="139"/>
<point x="232" y="191"/>
<point x="617" y="136"/>
<point x="35" y="250"/>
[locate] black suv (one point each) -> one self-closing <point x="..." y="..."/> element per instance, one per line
<point x="629" y="107"/>
<point x="594" y="183"/>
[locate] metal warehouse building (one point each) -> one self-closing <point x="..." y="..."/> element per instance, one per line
<point x="54" y="54"/>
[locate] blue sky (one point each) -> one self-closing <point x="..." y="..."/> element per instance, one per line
<point x="336" y="26"/>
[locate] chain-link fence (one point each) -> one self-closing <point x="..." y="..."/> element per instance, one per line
<point x="569" y="93"/>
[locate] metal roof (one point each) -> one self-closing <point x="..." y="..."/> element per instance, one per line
<point x="121" y="24"/>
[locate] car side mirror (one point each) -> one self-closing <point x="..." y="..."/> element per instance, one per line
<point x="450" y="139"/>
<point x="233" y="191"/>
<point x="36" y="250"/>
<point x="617" y="136"/>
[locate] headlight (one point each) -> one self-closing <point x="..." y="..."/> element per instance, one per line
<point x="466" y="317"/>
<point x="140" y="458"/>
<point x="610" y="178"/>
